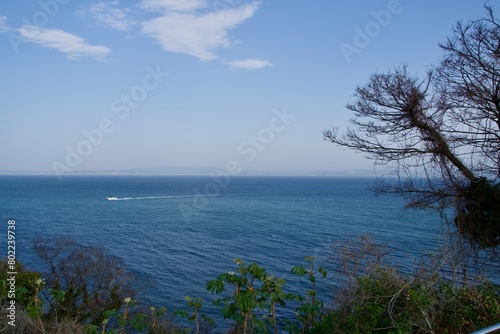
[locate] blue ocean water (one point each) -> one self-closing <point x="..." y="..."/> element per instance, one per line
<point x="178" y="232"/>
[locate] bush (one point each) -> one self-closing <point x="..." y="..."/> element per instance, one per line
<point x="382" y="301"/>
<point x="385" y="302"/>
<point x="375" y="297"/>
<point x="82" y="282"/>
<point x="379" y="299"/>
<point x="465" y="309"/>
<point x="25" y="283"/>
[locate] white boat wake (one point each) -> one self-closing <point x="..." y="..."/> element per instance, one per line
<point x="114" y="198"/>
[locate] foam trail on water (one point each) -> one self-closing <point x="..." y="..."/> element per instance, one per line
<point x="151" y="197"/>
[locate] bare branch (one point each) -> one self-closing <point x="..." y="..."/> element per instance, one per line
<point x="440" y="134"/>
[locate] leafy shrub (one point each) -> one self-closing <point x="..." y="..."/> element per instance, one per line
<point x="82" y="282"/>
<point x="385" y="301"/>
<point x="382" y="301"/>
<point x="375" y="298"/>
<point x="465" y="309"/>
<point x="252" y="302"/>
<point x="25" y="283"/>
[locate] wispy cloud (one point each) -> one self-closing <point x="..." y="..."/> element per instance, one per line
<point x="71" y="45"/>
<point x="108" y="14"/>
<point x="4" y="26"/>
<point x="197" y="34"/>
<point x="174" y="5"/>
<point x="198" y="28"/>
<point x="249" y="64"/>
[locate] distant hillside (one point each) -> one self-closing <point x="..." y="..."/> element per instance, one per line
<point x="171" y="170"/>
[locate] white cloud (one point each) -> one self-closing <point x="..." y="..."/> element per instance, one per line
<point x="173" y="5"/>
<point x="195" y="34"/>
<point x="249" y="64"/>
<point x="108" y="14"/>
<point x="4" y="26"/>
<point x="71" y="45"/>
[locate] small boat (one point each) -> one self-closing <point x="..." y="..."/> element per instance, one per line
<point x="114" y="198"/>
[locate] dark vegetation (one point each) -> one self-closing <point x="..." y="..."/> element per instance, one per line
<point x="374" y="296"/>
<point x="81" y="282"/>
<point x="440" y="134"/>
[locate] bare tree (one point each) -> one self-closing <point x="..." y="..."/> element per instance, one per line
<point x="440" y="135"/>
<point x="82" y="282"/>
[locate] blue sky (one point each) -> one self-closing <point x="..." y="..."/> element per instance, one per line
<point x="92" y="85"/>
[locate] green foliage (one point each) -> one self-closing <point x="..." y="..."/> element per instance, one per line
<point x="384" y="301"/>
<point x="377" y="299"/>
<point x="272" y="295"/>
<point x="130" y="320"/>
<point x="26" y="288"/>
<point x="464" y="309"/>
<point x="379" y="303"/>
<point x="82" y="282"/>
<point x="194" y="304"/>
<point x="310" y="308"/>
<point x="252" y="302"/>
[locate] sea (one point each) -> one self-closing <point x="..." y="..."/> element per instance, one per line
<point x="177" y="232"/>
